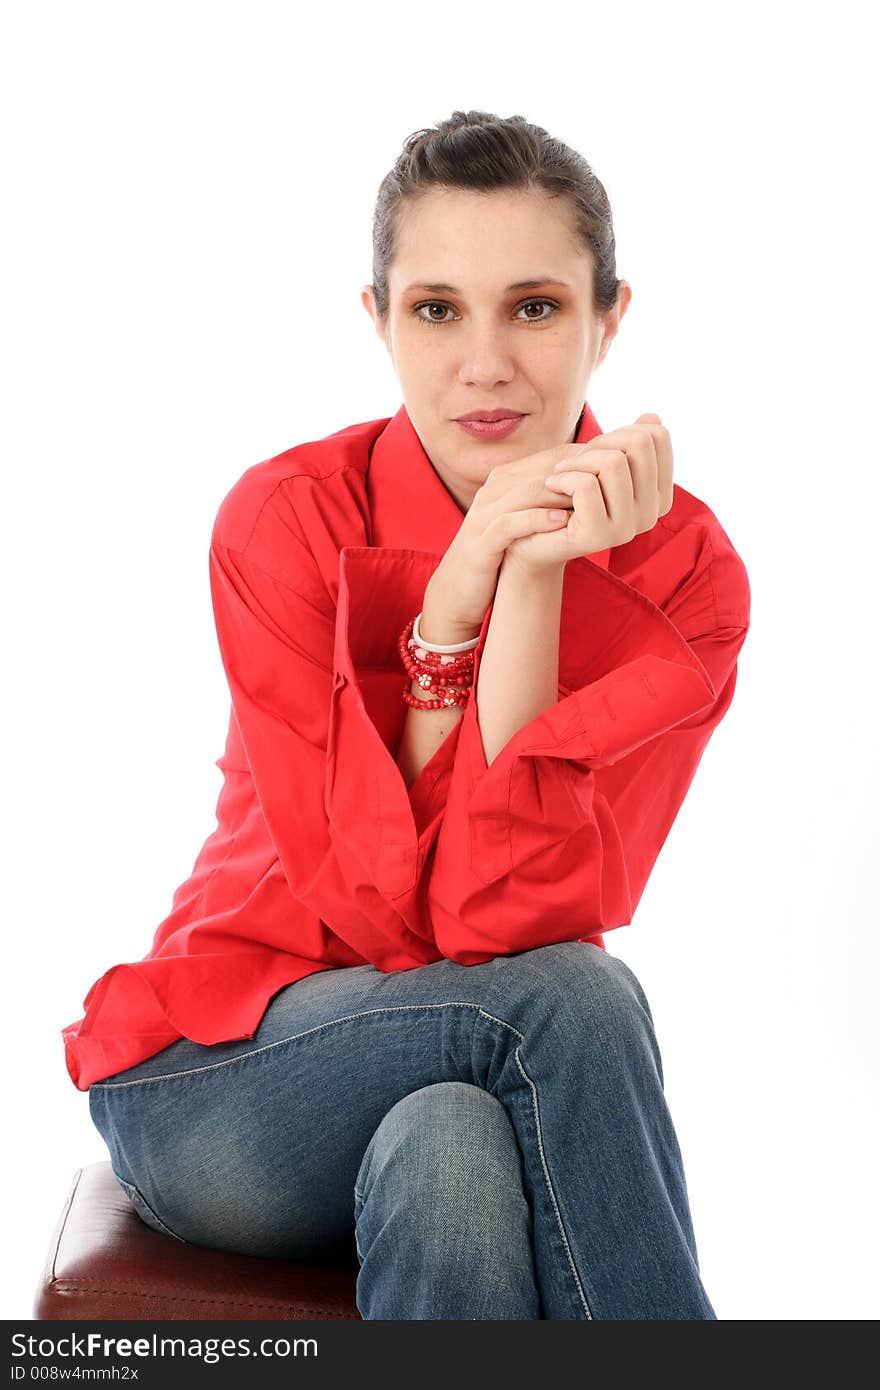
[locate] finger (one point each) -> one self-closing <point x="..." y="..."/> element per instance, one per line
<point x="560" y="453"/>
<point x="663" y="449"/>
<point x="620" y="438"/>
<point x="523" y="469"/>
<point x="510" y="526"/>
<point x="663" y="444"/>
<point x="615" y="439"/>
<point x="588" y="462"/>
<point x="615" y="489"/>
<point x="616" y="482"/>
<point x="590" y="521"/>
<point x="649" y="449"/>
<point x="642" y="454"/>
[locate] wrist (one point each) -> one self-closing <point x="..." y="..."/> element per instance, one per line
<point x="516" y="569"/>
<point x="437" y="625"/>
<point x="438" y="675"/>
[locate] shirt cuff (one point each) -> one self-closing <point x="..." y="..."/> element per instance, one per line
<point x="635" y="676"/>
<point x="391" y="826"/>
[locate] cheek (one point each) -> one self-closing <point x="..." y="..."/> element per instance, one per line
<point x="419" y="342"/>
<point x="563" y="340"/>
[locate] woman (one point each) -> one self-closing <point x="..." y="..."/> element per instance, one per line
<point x="472" y="672"/>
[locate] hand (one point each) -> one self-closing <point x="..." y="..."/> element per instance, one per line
<point x="513" y="502"/>
<point x="619" y="486"/>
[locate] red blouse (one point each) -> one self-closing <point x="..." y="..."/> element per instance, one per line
<point x="321" y="857"/>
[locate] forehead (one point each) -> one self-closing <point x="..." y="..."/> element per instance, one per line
<point x="459" y="237"/>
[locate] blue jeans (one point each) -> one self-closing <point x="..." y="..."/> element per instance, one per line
<point x="485" y="1141"/>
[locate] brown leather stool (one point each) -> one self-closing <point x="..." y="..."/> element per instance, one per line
<point x="104" y="1262"/>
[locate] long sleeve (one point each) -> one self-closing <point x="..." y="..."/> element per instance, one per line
<point x="555" y="839"/>
<point x="316" y="698"/>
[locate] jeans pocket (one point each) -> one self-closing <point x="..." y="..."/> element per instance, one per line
<point x="145" y="1211"/>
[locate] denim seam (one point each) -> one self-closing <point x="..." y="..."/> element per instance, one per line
<point x="547" y="1179"/>
<point x="362" y="1014"/>
<point x="130" y="1187"/>
<point x="399" y="1008"/>
<point x="293" y="1037"/>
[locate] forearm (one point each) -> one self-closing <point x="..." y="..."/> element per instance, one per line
<point x="519" y="667"/>
<point x="425" y="729"/>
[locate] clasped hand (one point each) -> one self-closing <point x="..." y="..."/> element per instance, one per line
<point x="613" y="488"/>
<point x="610" y="489"/>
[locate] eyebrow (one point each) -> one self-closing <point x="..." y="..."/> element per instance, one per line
<point x="519" y="285"/>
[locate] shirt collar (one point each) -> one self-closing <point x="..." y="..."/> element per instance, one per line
<point x="410" y="507"/>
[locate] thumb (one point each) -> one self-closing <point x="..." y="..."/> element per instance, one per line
<point x="649" y="419"/>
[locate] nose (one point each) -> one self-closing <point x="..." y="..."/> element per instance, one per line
<point x="486" y="357"/>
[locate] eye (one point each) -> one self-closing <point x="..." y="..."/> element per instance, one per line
<point x="439" y="304"/>
<point x="550" y="304"/>
<point x="430" y="304"/>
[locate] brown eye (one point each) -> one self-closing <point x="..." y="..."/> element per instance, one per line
<point x="549" y="302"/>
<point x="430" y="304"/>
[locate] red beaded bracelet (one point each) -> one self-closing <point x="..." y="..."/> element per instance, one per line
<point x="446" y="677"/>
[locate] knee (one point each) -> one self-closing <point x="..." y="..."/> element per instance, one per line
<point x="444" y="1156"/>
<point x="587" y="995"/>
<point x="443" y="1228"/>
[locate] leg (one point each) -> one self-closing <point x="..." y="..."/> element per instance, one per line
<point x="256" y="1145"/>
<point x="583" y="1084"/>
<point x="443" y="1225"/>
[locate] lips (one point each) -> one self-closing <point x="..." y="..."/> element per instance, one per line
<point x="490" y="416"/>
<point x="491" y="429"/>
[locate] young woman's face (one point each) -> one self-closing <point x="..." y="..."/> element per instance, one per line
<point x="488" y="342"/>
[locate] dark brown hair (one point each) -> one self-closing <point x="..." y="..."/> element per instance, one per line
<point x="478" y="150"/>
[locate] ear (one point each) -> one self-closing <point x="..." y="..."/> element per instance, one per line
<point x="611" y="320"/>
<point x="368" y="299"/>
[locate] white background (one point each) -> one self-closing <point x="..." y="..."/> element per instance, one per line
<point x="189" y="193"/>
